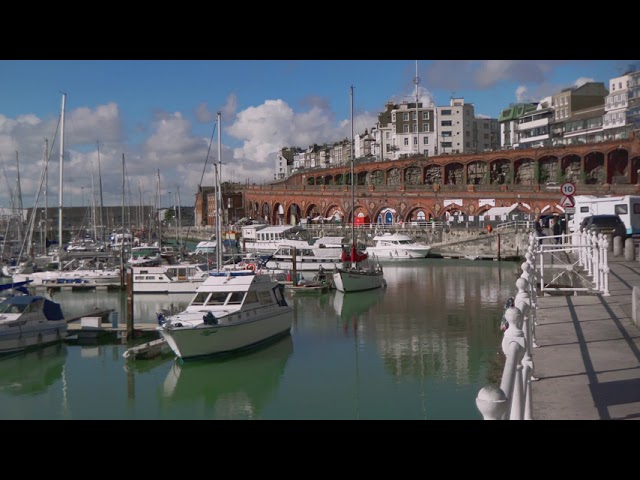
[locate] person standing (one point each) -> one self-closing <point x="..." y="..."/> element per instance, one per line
<point x="556" y="228"/>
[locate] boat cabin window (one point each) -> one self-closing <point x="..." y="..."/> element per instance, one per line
<point x="265" y="297"/>
<point x="236" y="298"/>
<point x="217" y="298"/>
<point x="11" y="308"/>
<point x="200" y="298"/>
<point x="252" y="297"/>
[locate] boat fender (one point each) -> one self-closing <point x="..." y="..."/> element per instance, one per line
<point x="209" y="319"/>
<point x="161" y="319"/>
<point x="252" y="267"/>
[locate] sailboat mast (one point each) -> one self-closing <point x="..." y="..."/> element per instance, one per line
<point x="93" y="207"/>
<point x="102" y="217"/>
<point x="219" y="199"/>
<point x="158" y="210"/>
<point x="353" y="187"/>
<point x="46" y="193"/>
<point x="60" y="185"/>
<point x="19" y="190"/>
<point x="417" y="81"/>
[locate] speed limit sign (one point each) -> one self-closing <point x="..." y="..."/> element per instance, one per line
<point x="568" y="188"/>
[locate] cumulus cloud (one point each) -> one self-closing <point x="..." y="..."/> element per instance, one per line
<point x="522" y="94"/>
<point x="483" y="74"/>
<point x="163" y="154"/>
<point x="264" y="130"/>
<point x="582" y="80"/>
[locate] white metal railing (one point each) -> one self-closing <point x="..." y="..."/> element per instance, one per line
<point x="512" y="400"/>
<point x="581" y="255"/>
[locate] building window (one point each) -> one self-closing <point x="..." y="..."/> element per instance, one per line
<point x="406" y="142"/>
<point x="425" y="127"/>
<point x="387" y="135"/>
<point x="415" y="140"/>
<point x="425" y="115"/>
<point x="405" y="117"/>
<point x="446" y="123"/>
<point x="425" y="140"/>
<point x="445" y="112"/>
<point x="405" y="128"/>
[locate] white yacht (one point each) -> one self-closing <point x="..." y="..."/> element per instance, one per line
<point x="177" y="278"/>
<point x="231" y="311"/>
<point x="397" y="246"/>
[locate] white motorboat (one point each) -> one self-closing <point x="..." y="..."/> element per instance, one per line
<point x="324" y="254"/>
<point x="28" y="321"/>
<point x="80" y="275"/>
<point x="178" y="278"/>
<point x="147" y="255"/>
<point x="231" y="311"/>
<point x="397" y="246"/>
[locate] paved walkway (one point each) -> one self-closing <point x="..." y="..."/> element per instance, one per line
<point x="588" y="358"/>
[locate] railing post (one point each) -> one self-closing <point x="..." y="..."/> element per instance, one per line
<point x="596" y="259"/>
<point x="492" y="403"/>
<point x="605" y="268"/>
<point x="522" y="301"/>
<point x="513" y="346"/>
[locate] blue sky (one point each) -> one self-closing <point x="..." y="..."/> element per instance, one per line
<point x="161" y="115"/>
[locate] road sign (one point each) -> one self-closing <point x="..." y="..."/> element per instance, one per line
<point x="568" y="189"/>
<point x="569" y="210"/>
<point x="567" y="201"/>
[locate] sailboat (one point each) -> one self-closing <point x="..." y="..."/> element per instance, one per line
<point x="358" y="273"/>
<point x="83" y="274"/>
<point x="232" y="310"/>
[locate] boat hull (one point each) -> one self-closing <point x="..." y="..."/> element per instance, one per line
<point x="353" y="280"/>
<point x="207" y="340"/>
<point x="397" y="253"/>
<point x="30" y="335"/>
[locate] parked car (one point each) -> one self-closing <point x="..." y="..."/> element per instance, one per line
<point x="605" y="224"/>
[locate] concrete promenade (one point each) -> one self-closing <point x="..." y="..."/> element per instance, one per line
<point x="587" y="363"/>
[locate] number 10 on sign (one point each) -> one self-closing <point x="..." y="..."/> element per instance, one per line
<point x="568" y="188"/>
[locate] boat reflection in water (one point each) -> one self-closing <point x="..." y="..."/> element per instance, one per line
<point x="349" y="307"/>
<point x="32" y="372"/>
<point x="236" y="387"/>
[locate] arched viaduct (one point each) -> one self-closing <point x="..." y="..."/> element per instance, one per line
<point x="420" y="188"/>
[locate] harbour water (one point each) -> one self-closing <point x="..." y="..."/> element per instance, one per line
<point x="420" y="349"/>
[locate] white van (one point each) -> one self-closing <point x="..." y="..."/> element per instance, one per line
<point x="627" y="207"/>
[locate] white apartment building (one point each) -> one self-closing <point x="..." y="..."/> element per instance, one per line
<point x="534" y="127"/>
<point x="614" y="124"/>
<point x="412" y="129"/>
<point x="455" y="128"/>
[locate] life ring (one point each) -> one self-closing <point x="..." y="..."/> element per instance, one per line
<point x="251" y="267"/>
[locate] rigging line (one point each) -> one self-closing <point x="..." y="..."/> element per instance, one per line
<point x="206" y="160"/>
<point x="204" y="169"/>
<point x="4" y="172"/>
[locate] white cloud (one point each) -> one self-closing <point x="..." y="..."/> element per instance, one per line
<point x="521" y="94"/>
<point x="167" y="146"/>
<point x="582" y="80"/>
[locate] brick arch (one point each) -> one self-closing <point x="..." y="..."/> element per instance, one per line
<point x="581" y="159"/>
<point x="594" y="168"/>
<point x="618" y="166"/>
<point x="477" y="172"/>
<point x="454" y="173"/>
